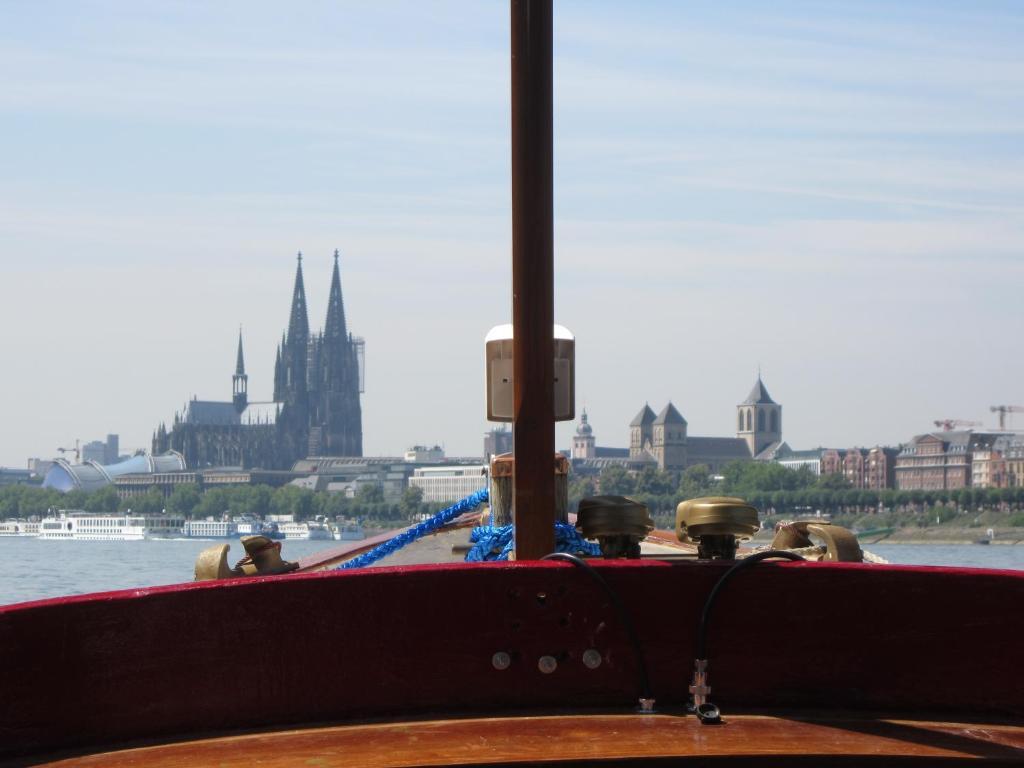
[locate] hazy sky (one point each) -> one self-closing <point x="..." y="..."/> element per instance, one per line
<point x="832" y="190"/>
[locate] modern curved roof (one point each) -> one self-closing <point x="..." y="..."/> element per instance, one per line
<point x="91" y="476"/>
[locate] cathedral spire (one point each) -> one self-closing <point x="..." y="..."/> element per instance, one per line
<point x="298" y="323"/>
<point x="335" y="325"/>
<point x="240" y="382"/>
<point x="240" y="362"/>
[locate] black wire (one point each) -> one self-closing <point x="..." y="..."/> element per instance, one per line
<point x="747" y="562"/>
<point x="620" y="609"/>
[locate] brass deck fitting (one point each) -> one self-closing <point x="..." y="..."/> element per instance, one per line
<point x="618" y="523"/>
<point x="716" y="524"/>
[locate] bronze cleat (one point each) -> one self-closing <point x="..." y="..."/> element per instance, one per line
<point x="262" y="558"/>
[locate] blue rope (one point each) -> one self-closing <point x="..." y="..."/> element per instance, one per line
<point x="492" y="543"/>
<point x="419" y="530"/>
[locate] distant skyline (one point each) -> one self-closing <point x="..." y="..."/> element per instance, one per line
<point x="832" y="191"/>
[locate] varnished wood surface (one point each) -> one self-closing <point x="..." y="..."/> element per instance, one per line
<point x="388" y="643"/>
<point x="567" y="738"/>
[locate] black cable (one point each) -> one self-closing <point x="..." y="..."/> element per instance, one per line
<point x="707" y="712"/>
<point x="620" y="609"/>
<point x="747" y="562"/>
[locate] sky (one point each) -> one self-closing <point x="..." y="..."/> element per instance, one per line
<point x="832" y="192"/>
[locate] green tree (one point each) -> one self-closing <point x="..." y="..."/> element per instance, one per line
<point x="412" y="502"/>
<point x="184" y="499"/>
<point x="580" y="488"/>
<point x="832" y="482"/>
<point x="292" y="500"/>
<point x="654" y="482"/>
<point x="616" y="480"/>
<point x="149" y="503"/>
<point x="73" y="500"/>
<point x="102" y="501"/>
<point x="695" y="482"/>
<point x="370" y="493"/>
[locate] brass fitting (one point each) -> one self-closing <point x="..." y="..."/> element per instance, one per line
<point x="841" y="546"/>
<point x="262" y="558"/>
<point x="716" y="524"/>
<point x="618" y="523"/>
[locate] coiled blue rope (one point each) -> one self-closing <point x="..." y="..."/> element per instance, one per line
<point x="419" y="530"/>
<point x="490" y="543"/>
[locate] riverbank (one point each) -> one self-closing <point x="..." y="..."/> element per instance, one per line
<point x="938" y="535"/>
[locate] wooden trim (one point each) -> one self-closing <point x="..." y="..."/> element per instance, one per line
<point x="572" y="738"/>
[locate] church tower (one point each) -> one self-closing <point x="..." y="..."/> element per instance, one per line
<point x="669" y="439"/>
<point x="339" y="413"/>
<point x="583" y="441"/>
<point x="641" y="432"/>
<point x="240" y="382"/>
<point x="759" y="419"/>
<point x="292" y="390"/>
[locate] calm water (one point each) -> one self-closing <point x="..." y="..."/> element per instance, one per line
<point x="31" y="569"/>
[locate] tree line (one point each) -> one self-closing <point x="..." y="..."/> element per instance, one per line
<point x="779" y="491"/>
<point x="190" y="501"/>
<point x="772" y="488"/>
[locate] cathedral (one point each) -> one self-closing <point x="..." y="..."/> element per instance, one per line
<point x="318" y="379"/>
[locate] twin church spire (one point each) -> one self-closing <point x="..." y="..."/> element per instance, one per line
<point x="317" y="376"/>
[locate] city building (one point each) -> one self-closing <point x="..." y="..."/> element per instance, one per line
<point x="449" y="483"/>
<point x="880" y="468"/>
<point x="1013" y="455"/>
<point x="988" y="462"/>
<point x="39" y="467"/>
<point x="872" y="469"/>
<point x="101" y="452"/>
<point x="92" y="476"/>
<point x="315" y="410"/>
<point x="11" y="476"/>
<point x="347" y="474"/>
<point x="936" y="461"/>
<point x="421" y="454"/>
<point x="497" y="441"/>
<point x="137" y="484"/>
<point x="796" y="460"/>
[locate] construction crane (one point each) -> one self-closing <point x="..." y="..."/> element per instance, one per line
<point x="70" y="450"/>
<point x="949" y="424"/>
<point x="1002" y="410"/>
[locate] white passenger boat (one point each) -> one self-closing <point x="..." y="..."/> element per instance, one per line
<point x="85" y="526"/>
<point x="19" y="528"/>
<point x="211" y="529"/>
<point x="304" y="531"/>
<point x="258" y="528"/>
<point x="349" y="532"/>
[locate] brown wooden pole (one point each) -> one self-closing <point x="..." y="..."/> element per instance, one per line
<point x="533" y="428"/>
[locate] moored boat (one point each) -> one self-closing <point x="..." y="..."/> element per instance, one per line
<point x="19" y="528"/>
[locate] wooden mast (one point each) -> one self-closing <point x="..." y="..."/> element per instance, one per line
<point x="533" y="427"/>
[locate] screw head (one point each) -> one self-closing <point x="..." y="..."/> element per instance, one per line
<point x="547" y="664"/>
<point x="592" y="658"/>
<point x="501" y="660"/>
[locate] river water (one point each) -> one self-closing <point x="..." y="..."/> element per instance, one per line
<point x="31" y="569"/>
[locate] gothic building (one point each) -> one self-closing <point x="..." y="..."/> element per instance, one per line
<point x="315" y="410"/>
